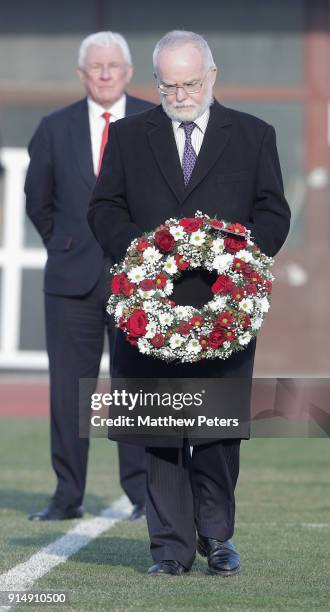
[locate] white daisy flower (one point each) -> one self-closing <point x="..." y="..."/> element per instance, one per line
<point x="170" y="266"/>
<point x="150" y="305"/>
<point x="137" y="274"/>
<point x="218" y="246"/>
<point x="245" y="255"/>
<point x="226" y="345"/>
<point x="176" y="341"/>
<point x="218" y="303"/>
<point x="165" y="319"/>
<point x="151" y="255"/>
<point x="256" y="323"/>
<point x="168" y="289"/>
<point x="197" y="237"/>
<point x="263" y="304"/>
<point x="221" y="263"/>
<point x="146" y="294"/>
<point x="244" y="339"/>
<point x="193" y="346"/>
<point x="177" y="232"/>
<point x="246" y="304"/>
<point x="144" y="346"/>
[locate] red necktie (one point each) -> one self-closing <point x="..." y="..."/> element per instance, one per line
<point x="106" y="117"/>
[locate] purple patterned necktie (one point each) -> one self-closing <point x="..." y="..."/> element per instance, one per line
<point x="189" y="153"/>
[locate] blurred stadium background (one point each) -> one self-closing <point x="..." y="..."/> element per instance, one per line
<point x="274" y="61"/>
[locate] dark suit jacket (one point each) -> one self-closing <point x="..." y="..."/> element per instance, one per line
<point x="58" y="187"/>
<point x="236" y="177"/>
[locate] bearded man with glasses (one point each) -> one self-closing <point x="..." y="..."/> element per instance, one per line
<point x="190" y="153"/>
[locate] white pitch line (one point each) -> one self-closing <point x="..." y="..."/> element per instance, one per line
<point x="22" y="576"/>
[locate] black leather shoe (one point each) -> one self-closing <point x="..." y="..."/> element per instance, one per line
<point x="53" y="512"/>
<point x="167" y="568"/>
<point x="138" y="512"/>
<point x="222" y="557"/>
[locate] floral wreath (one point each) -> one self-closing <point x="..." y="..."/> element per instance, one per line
<point x="143" y="283"/>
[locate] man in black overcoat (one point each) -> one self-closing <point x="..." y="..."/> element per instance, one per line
<point x="66" y="153"/>
<point x="190" y="153"/>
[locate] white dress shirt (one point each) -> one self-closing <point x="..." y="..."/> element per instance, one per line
<point x="97" y="123"/>
<point x="196" y="136"/>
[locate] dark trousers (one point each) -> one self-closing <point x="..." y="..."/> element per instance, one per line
<point x="185" y="494"/>
<point x="75" y="328"/>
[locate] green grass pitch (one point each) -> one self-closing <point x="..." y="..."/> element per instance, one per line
<point x="282" y="531"/>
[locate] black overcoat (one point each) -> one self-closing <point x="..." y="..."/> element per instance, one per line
<point x="237" y="177"/>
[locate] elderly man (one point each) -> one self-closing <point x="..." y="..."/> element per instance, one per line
<point x="66" y="154"/>
<point x="190" y="153"/>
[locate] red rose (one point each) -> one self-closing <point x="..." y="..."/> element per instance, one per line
<point x="196" y="321"/>
<point x="128" y="288"/>
<point x="160" y="281"/>
<point x="216" y="338"/>
<point x="137" y="323"/>
<point x="216" y="223"/>
<point x="158" y="340"/>
<point x="250" y="288"/>
<point x="142" y="244"/>
<point x="184" y="328"/>
<point x="147" y="284"/>
<point x="181" y="262"/>
<point x="234" y="244"/>
<point x="164" y="240"/>
<point x="237" y="294"/>
<point x="236" y="228"/>
<point x="223" y="284"/>
<point x="224" y="320"/>
<point x="191" y="225"/>
<point x="117" y="283"/>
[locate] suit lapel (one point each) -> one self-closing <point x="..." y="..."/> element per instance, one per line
<point x="215" y="139"/>
<point x="81" y="140"/>
<point x="163" y="145"/>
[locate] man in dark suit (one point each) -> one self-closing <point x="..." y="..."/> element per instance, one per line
<point x="191" y="153"/>
<point x="66" y="153"/>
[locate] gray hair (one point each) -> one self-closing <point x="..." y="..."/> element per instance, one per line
<point x="177" y="38"/>
<point x="104" y="39"/>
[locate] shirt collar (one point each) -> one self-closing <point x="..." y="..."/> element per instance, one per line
<point x="201" y="121"/>
<point x="117" y="110"/>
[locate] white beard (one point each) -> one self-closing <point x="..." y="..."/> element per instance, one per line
<point x="187" y="112"/>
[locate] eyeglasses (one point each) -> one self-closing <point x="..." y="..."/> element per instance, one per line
<point x="189" y="88"/>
